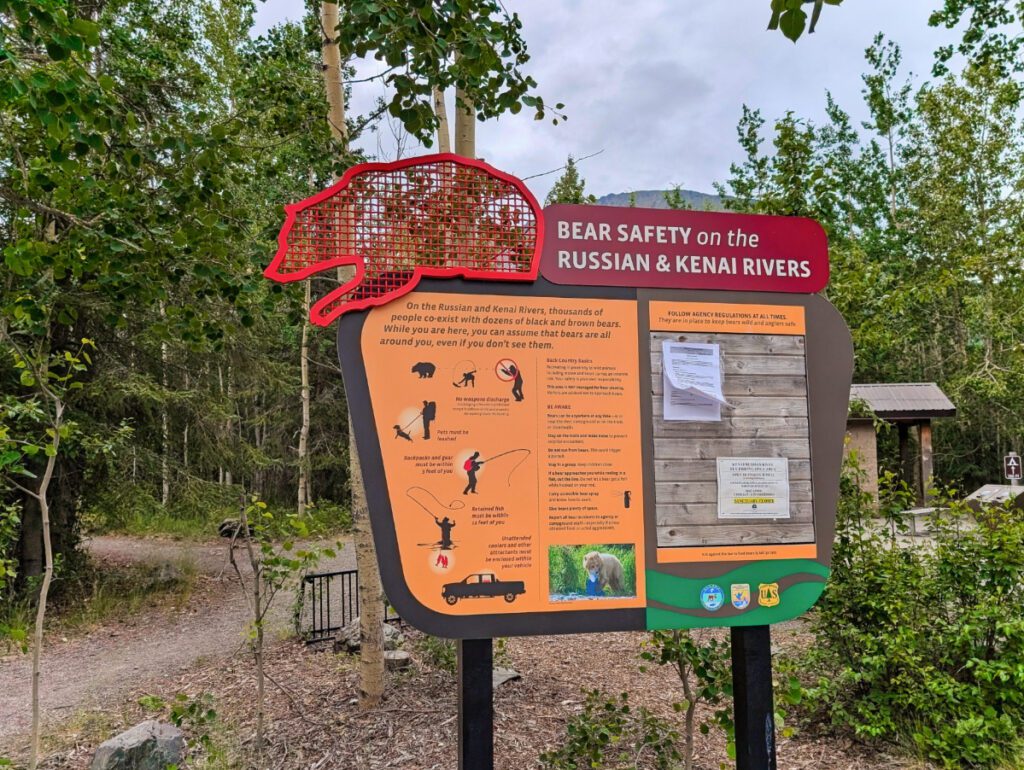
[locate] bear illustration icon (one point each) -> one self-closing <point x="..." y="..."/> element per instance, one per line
<point x="424" y="370"/>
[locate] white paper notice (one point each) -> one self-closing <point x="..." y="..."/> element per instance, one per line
<point x="753" y="488"/>
<point x="692" y="381"/>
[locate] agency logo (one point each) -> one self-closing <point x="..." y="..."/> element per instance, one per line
<point x="768" y="594"/>
<point x="740" y="593"/>
<point x="712" y="597"/>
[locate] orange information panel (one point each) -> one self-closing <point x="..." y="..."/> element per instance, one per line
<point x="508" y="431"/>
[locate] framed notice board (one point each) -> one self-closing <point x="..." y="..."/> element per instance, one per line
<point x="506" y="428"/>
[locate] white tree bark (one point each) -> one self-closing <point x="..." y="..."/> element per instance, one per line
<point x="304" y="429"/>
<point x="444" y="139"/>
<point x="465" y="124"/>
<point x="371" y="594"/>
<point x="165" y="426"/>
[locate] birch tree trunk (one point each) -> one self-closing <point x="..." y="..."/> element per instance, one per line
<point x="228" y="478"/>
<point x="333" y="84"/>
<point x="165" y="427"/>
<point x="220" y="383"/>
<point x="184" y="432"/>
<point x="42" y="496"/>
<point x="444" y="140"/>
<point x="371" y="594"/>
<point x="465" y="125"/>
<point x="304" y="429"/>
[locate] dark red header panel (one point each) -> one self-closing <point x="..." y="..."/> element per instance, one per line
<point x="657" y="248"/>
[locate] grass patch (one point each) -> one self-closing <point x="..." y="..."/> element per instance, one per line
<point x="105" y="592"/>
<point x="201" y="523"/>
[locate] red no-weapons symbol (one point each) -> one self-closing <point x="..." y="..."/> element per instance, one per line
<point x="439" y="216"/>
<point x="506" y="369"/>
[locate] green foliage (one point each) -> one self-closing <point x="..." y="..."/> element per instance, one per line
<point x="195" y="714"/>
<point x="281" y="557"/>
<point x="141" y="181"/>
<point x="439" y="653"/>
<point x="609" y="733"/>
<point x="924" y="643"/>
<point x="991" y="36"/>
<point x="570" y="187"/>
<point x="10" y="527"/>
<point x="921" y="208"/>
<point x="16" y="618"/>
<point x="675" y="199"/>
<point x="703" y="664"/>
<point x="567" y="577"/>
<point x="473" y="45"/>
<point x="789" y="16"/>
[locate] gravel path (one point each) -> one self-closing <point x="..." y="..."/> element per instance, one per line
<point x="95" y="669"/>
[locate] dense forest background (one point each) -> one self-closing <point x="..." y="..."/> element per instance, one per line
<point x="146" y="152"/>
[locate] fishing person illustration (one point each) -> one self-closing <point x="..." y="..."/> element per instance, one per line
<point x="474" y="463"/>
<point x="471" y="466"/>
<point x="446" y="526"/>
<point x="468" y="380"/>
<point x="513" y="373"/>
<point x="429" y="503"/>
<point x="429" y="414"/>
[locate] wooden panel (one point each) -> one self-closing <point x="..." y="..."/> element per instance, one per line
<point x="691" y="514"/>
<point x="774" y="385"/>
<point x="764" y="378"/>
<point x="737" y="344"/>
<point x="752" y="407"/>
<point x="707" y="492"/>
<point x="735" y="427"/>
<point x="735" y="534"/>
<point x="693" y="470"/>
<point x="748" y="364"/>
<point x="710" y="448"/>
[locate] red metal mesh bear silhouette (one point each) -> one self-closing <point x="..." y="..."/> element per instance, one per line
<point x="438" y="216"/>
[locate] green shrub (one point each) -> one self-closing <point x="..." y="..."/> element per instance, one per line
<point x="610" y="734"/>
<point x="702" y="664"/>
<point x="439" y="653"/>
<point x="922" y="643"/>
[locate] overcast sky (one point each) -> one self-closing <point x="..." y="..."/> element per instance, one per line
<point x="659" y="86"/>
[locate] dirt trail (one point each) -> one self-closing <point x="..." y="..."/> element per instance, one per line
<point x="94" y="669"/>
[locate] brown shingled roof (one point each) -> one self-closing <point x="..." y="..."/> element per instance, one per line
<point x="904" y="400"/>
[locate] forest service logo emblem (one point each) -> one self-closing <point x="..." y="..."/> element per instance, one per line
<point x="740" y="593"/>
<point x="768" y="594"/>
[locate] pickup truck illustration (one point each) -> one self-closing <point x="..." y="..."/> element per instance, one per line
<point x="480" y="585"/>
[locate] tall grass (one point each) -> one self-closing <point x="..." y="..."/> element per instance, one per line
<point x="194" y="514"/>
<point x="97" y="593"/>
<point x="566" y="575"/>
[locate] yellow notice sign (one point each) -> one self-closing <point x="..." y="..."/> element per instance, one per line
<point x="753" y="488"/>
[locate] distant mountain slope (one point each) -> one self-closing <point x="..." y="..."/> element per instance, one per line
<point x="655" y="199"/>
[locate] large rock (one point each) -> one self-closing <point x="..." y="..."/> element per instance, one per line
<point x="501" y="675"/>
<point x="396" y="659"/>
<point x="150" y="745"/>
<point x="347" y="639"/>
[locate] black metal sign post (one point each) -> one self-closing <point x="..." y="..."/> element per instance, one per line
<point x="476" y="704"/>
<point x="753" y="707"/>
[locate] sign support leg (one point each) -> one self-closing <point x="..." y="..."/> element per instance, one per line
<point x="476" y="704"/>
<point x="752" y="697"/>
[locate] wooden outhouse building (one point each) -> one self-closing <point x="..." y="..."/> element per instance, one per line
<point x="911" y="407"/>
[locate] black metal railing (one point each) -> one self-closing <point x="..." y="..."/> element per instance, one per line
<point x="329" y="601"/>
